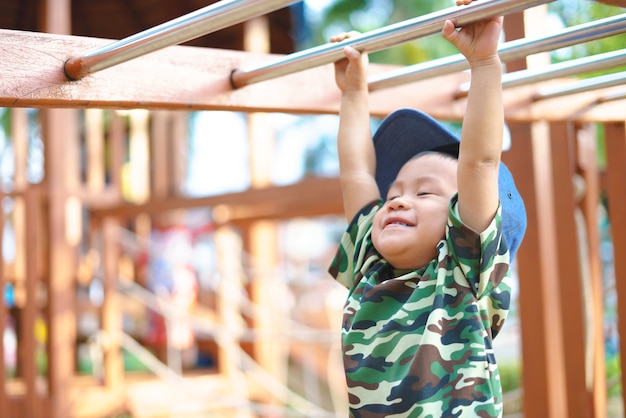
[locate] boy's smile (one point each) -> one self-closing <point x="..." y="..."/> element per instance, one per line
<point x="412" y="221"/>
<point x="394" y="221"/>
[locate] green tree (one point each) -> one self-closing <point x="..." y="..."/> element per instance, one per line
<point x="367" y="15"/>
<point x="576" y="12"/>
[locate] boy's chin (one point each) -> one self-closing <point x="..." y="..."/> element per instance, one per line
<point x="402" y="260"/>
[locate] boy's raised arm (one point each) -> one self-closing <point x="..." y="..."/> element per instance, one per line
<point x="357" y="160"/>
<point x="483" y="123"/>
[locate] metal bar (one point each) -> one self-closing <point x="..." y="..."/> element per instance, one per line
<point x="601" y="28"/>
<point x="182" y="29"/>
<point x="620" y="95"/>
<point x="563" y="69"/>
<point x="581" y="86"/>
<point x="382" y="38"/>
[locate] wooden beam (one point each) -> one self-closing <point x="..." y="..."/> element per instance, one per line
<point x="192" y="78"/>
<point x="179" y="77"/>
<point x="274" y="202"/>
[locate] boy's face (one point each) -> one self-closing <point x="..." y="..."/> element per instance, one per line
<point x="412" y="221"/>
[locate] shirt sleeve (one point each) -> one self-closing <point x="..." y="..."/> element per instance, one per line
<point x="482" y="257"/>
<point x="353" y="246"/>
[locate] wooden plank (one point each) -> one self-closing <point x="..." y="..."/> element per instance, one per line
<point x="179" y="145"/>
<point x="60" y="140"/>
<point x="520" y="104"/>
<point x="589" y="171"/>
<point x="570" y="277"/>
<point x="19" y="140"/>
<point x="117" y="151"/>
<point x="192" y="78"/>
<point x="32" y="406"/>
<point x="300" y="199"/>
<point x="540" y="319"/>
<point x="59" y="132"/>
<point x="4" y="312"/>
<point x="179" y="77"/>
<point x="94" y="145"/>
<point x="136" y="173"/>
<point x="111" y="307"/>
<point x="616" y="191"/>
<point x="160" y="155"/>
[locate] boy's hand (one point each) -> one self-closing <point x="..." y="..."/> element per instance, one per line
<point x="478" y="42"/>
<point x="350" y="72"/>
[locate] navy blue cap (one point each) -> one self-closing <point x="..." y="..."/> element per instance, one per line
<point x="407" y="132"/>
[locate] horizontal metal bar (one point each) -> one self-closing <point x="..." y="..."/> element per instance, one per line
<point x="563" y="69"/>
<point x="581" y="86"/>
<point x="209" y="19"/>
<point x="619" y="95"/>
<point x="588" y="64"/>
<point x="601" y="28"/>
<point x="380" y="39"/>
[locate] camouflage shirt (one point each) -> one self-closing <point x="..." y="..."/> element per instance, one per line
<point x="418" y="343"/>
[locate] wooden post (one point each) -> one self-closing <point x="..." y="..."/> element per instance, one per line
<point x="570" y="276"/>
<point x="229" y="251"/>
<point x="94" y="142"/>
<point x="136" y="183"/>
<point x="179" y="159"/>
<point x="588" y="168"/>
<point x="272" y="353"/>
<point x="111" y="307"/>
<point x="4" y="400"/>
<point x="61" y="147"/>
<point x="20" y="134"/>
<point x="117" y="151"/>
<point x="160" y="140"/>
<point x="616" y="196"/>
<point x="540" y="318"/>
<point x="33" y="406"/>
<point x="59" y="134"/>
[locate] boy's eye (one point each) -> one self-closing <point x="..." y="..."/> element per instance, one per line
<point x="423" y="193"/>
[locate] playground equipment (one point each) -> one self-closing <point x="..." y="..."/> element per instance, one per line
<point x="140" y="97"/>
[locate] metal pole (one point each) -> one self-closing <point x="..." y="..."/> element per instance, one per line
<point x="382" y="38"/>
<point x="601" y="28"/>
<point x="182" y="29"/>
<point x="563" y="69"/>
<point x="595" y="83"/>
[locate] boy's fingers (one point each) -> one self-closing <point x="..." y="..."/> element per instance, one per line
<point x="351" y="53"/>
<point x="449" y="30"/>
<point x="343" y="36"/>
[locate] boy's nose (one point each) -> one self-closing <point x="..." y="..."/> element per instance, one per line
<point x="398" y="203"/>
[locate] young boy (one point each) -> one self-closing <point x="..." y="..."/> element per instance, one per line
<point x="427" y="266"/>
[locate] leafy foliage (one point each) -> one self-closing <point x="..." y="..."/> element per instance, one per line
<point x="366" y="15"/>
<point x="576" y="12"/>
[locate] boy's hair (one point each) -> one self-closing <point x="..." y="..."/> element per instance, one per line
<point x="406" y="133"/>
